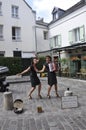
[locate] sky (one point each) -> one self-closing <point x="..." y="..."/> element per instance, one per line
<point x="44" y="8"/>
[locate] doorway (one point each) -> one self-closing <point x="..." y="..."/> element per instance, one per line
<point x="78" y="64"/>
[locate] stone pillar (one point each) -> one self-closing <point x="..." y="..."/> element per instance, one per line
<point x="8" y="101"/>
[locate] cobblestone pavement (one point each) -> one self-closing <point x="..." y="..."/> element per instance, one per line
<point x="53" y="117"/>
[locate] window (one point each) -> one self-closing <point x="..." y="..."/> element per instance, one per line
<point x="55" y="41"/>
<point x="2" y="53"/>
<point x="1" y="32"/>
<point x="15" y="10"/>
<point x="77" y="35"/>
<point x="0" y="8"/>
<point x="55" y="16"/>
<point x="16" y="53"/>
<point x="51" y="43"/>
<point x="45" y="35"/>
<point x="16" y="33"/>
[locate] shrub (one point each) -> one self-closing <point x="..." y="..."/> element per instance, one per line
<point x="14" y="64"/>
<point x="41" y="62"/>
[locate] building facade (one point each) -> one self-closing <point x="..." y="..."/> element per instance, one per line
<point x="17" y="25"/>
<point x="67" y="35"/>
<point x="64" y="37"/>
<point x="42" y="37"/>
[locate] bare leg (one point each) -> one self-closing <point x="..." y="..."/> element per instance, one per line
<point x="39" y="90"/>
<point x="31" y="91"/>
<point x="56" y="90"/>
<point x="49" y="89"/>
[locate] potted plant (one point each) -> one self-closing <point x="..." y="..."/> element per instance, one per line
<point x="84" y="58"/>
<point x="75" y="58"/>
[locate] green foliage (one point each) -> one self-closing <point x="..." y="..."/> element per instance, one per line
<point x="64" y="60"/>
<point x="17" y="65"/>
<point x="14" y="64"/>
<point x="41" y="62"/>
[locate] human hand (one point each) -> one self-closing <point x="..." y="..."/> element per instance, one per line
<point x="18" y="74"/>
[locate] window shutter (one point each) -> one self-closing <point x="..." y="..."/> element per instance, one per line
<point x="82" y="33"/>
<point x="59" y="40"/>
<point x="51" y="43"/>
<point x="70" y="37"/>
<point x="56" y="41"/>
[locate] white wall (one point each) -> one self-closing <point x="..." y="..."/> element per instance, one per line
<point x="64" y="25"/>
<point x="42" y="45"/>
<point x="26" y="22"/>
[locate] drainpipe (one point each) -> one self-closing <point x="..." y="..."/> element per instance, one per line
<point x="35" y="39"/>
<point x="59" y="66"/>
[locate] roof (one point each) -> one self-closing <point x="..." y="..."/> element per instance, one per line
<point x="77" y="6"/>
<point x="56" y="9"/>
<point x="41" y="22"/>
<point x="29" y="6"/>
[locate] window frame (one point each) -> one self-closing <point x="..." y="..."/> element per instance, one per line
<point x="16" y="33"/>
<point x="1" y="33"/>
<point x="45" y="35"/>
<point x="0" y="8"/>
<point x="15" y="11"/>
<point x="55" y="41"/>
<point x="2" y="53"/>
<point x="78" y="36"/>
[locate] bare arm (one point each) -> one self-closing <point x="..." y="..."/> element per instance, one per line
<point x="54" y="67"/>
<point x="43" y="69"/>
<point x="25" y="71"/>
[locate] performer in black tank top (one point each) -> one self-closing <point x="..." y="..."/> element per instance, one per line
<point x="52" y="80"/>
<point x="33" y="77"/>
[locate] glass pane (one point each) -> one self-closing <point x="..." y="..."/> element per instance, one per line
<point x="17" y="31"/>
<point x="13" y="32"/>
<point x="82" y="34"/>
<point x="70" y="37"/>
<point x="59" y="40"/>
<point x="0" y="7"/>
<point x="14" y="11"/>
<point x="1" y="31"/>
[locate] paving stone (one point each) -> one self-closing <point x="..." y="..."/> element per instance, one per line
<point x="53" y="117"/>
<point x="81" y="126"/>
<point x="65" y="123"/>
<point x="45" y="123"/>
<point x="54" y="128"/>
<point x="83" y="121"/>
<point x="39" y="124"/>
<point x="19" y="124"/>
<point x="1" y="123"/>
<point x="26" y="125"/>
<point x="6" y="125"/>
<point x="72" y="123"/>
<point x="32" y="124"/>
<point x="13" y="125"/>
